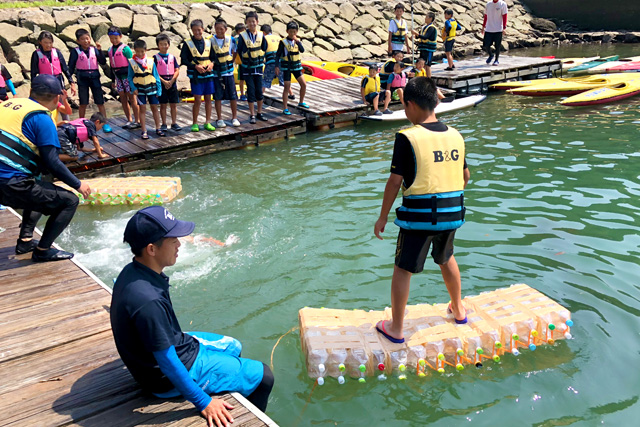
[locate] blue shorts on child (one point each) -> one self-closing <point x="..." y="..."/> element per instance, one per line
<point x="225" y="89"/>
<point x="202" y="86"/>
<point x="270" y="74"/>
<point x="153" y="99"/>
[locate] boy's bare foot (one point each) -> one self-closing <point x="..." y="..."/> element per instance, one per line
<point x="389" y="332"/>
<point x="459" y="315"/>
<point x="102" y="156"/>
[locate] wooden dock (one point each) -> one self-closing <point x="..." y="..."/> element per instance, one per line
<point x="474" y="75"/>
<point x="128" y="152"/>
<point x="58" y="361"/>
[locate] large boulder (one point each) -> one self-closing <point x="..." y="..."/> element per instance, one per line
<point x="344" y="25"/>
<point x="233" y="16"/>
<point x="331" y="8"/>
<point x="360" y="53"/>
<point x="101" y="30"/>
<point x="332" y="25"/>
<point x="105" y="43"/>
<point x="150" y="41"/>
<point x="283" y="8"/>
<point x="363" y="22"/>
<point x="144" y="10"/>
<point x="279" y="29"/>
<point x="383" y="33"/>
<point x="341" y="55"/>
<point x="324" y="44"/>
<point x="355" y="38"/>
<point x="348" y="11"/>
<point x="31" y="18"/>
<point x="372" y="37"/>
<point x="324" y="32"/>
<point x="121" y="18"/>
<point x="265" y="7"/>
<point x="169" y="15"/>
<point x="543" y="25"/>
<point x="66" y="17"/>
<point x="69" y="33"/>
<point x="22" y="55"/>
<point x="10" y="35"/>
<point x="306" y="21"/>
<point x="265" y="18"/>
<point x="181" y="29"/>
<point x="340" y="43"/>
<point x="145" y="25"/>
<point x="312" y="9"/>
<point x="95" y="21"/>
<point x="376" y="50"/>
<point x="182" y="9"/>
<point x="16" y="73"/>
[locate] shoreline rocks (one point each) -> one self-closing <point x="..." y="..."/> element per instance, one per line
<point x="332" y="30"/>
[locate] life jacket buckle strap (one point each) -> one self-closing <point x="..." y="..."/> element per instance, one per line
<point x="434" y="210"/>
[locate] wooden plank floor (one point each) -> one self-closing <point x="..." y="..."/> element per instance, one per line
<point x="127" y="151"/>
<point x="58" y="362"/>
<point x="475" y="73"/>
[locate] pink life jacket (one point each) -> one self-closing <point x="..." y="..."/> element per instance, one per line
<point x="117" y="60"/>
<point x="87" y="64"/>
<point x="81" y="130"/>
<point x="49" y="67"/>
<point x="399" y="80"/>
<point x="165" y="69"/>
<point x="2" y="82"/>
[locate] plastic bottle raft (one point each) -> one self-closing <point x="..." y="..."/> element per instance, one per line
<point x="340" y="343"/>
<point x="135" y="190"/>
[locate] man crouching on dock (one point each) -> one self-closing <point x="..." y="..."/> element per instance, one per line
<point x="163" y="359"/>
<point x="429" y="164"/>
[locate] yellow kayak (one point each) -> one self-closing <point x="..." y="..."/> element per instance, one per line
<point x="528" y="83"/>
<point x="606" y="94"/>
<point x="568" y="87"/>
<point x="342" y="67"/>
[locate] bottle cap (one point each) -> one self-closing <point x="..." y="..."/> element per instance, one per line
<point x="515" y="337"/>
<point x="479" y="350"/>
<point x="362" y="380"/>
<point x="320" y="381"/>
<point x="381" y="366"/>
<point x="441" y="370"/>
<point x="340" y="379"/>
<point x="567" y="335"/>
<point x="440" y="356"/>
<point x="516" y="352"/>
<point x="496" y="358"/>
<point x="552" y="326"/>
<point x="321" y="368"/>
<point x="422" y="362"/>
<point x="341" y="367"/>
<point x="362" y="368"/>
<point x="402" y="368"/>
<point x="460" y="367"/>
<point x="569" y="323"/>
<point x="460" y="352"/>
<point x="532" y="347"/>
<point x="498" y="344"/>
<point x="534" y="333"/>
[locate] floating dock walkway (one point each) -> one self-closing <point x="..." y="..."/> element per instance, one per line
<point x="128" y="152"/>
<point x="58" y="361"/>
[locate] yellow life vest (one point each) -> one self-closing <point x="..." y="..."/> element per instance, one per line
<point x="200" y="58"/>
<point x="143" y="78"/>
<point x="372" y="85"/>
<point x="254" y="55"/>
<point x="224" y="60"/>
<point x="54" y="116"/>
<point x="427" y="44"/>
<point x="16" y="150"/>
<point x="401" y="31"/>
<point x="421" y="73"/>
<point x="272" y="48"/>
<point x="452" y="32"/>
<point x="291" y="60"/>
<point x="435" y="199"/>
<point x="238" y="59"/>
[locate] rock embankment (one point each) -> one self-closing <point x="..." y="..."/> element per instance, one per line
<point x="339" y="31"/>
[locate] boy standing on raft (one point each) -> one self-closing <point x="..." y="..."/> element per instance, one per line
<point x="429" y="165"/>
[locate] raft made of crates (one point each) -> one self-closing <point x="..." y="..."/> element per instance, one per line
<point x="340" y="343"/>
<point x="135" y="190"/>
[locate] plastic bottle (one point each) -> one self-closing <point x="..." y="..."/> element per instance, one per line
<point x="417" y="354"/>
<point x="357" y="359"/>
<point x="379" y="361"/>
<point x="317" y="359"/>
<point x="399" y="363"/>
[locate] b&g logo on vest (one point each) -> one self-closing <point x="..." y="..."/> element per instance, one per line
<point x="445" y="156"/>
<point x="12" y="105"/>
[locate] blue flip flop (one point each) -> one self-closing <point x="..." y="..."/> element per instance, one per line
<point x="286" y="112"/>
<point x="387" y="336"/>
<point x="303" y="105"/>
<point x="459" y="322"/>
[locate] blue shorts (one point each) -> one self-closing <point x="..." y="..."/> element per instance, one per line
<point x="448" y="46"/>
<point x="269" y="74"/>
<point x="427" y="55"/>
<point x="202" y="87"/>
<point x="219" y="368"/>
<point x="153" y="99"/>
<point x="370" y="97"/>
<point x="226" y="89"/>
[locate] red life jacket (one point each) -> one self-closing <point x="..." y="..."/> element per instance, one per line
<point x="49" y="67"/>
<point x="81" y="130"/>
<point x="87" y="64"/>
<point x="399" y="80"/>
<point x="117" y="60"/>
<point x="165" y="69"/>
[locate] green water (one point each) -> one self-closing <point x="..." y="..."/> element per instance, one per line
<point x="552" y="202"/>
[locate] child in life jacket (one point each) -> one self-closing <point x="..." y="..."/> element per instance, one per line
<point x="288" y="60"/>
<point x="221" y="55"/>
<point x="370" y="91"/>
<point x="398" y="80"/>
<point x="238" y="29"/>
<point x="63" y="109"/>
<point x="84" y="62"/>
<point x="5" y="82"/>
<point x="251" y="47"/>
<point x="74" y="134"/>
<point x="168" y="70"/>
<point x="269" y="76"/>
<point x="47" y="59"/>
<point x="119" y="56"/>
<point x="144" y="81"/>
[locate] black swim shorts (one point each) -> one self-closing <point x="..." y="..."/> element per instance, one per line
<point x="413" y="247"/>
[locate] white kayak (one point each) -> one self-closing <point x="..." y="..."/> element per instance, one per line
<point x="443" y="107"/>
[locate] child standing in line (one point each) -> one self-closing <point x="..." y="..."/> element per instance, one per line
<point x="119" y="56"/>
<point x="251" y="48"/>
<point x="195" y="54"/>
<point x="429" y="166"/>
<point x="49" y="60"/>
<point x="237" y="59"/>
<point x="398" y="31"/>
<point x="84" y="62"/>
<point x="288" y="59"/>
<point x="370" y="90"/>
<point x="427" y="41"/>
<point x="270" y="57"/>
<point x="451" y="26"/>
<point x="5" y="82"/>
<point x="74" y="134"/>
<point x="144" y="81"/>
<point x="223" y="68"/>
<point x="168" y="70"/>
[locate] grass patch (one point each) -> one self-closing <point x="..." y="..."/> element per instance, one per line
<point x="69" y="3"/>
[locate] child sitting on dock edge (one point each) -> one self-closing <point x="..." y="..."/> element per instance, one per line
<point x="370" y="91"/>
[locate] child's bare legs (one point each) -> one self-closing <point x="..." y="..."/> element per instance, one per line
<point x="449" y="59"/>
<point x="387" y="99"/>
<point x="400" y="95"/>
<point x="82" y="110"/>
<point x="174" y="113"/>
<point x="197" y="99"/>
<point x="133" y="103"/>
<point x="207" y="108"/>
<point x="163" y="114"/>
<point x="234" y="108"/>
<point x="102" y="110"/>
<point x="241" y="84"/>
<point x="285" y="92"/>
<point x="218" y="103"/>
<point x="156" y="116"/>
<point x="260" y="106"/>
<point x="399" y="297"/>
<point x="375" y="102"/>
<point x="124" y="101"/>
<point x="67" y="158"/>
<point x="303" y="87"/>
<point x="451" y="276"/>
<point x="428" y="68"/>
<point x="143" y="117"/>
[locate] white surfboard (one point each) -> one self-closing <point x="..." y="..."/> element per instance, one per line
<point x="443" y="107"/>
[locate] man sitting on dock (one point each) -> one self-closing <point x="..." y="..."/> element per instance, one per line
<point x="163" y="359"/>
<point x="28" y="146"/>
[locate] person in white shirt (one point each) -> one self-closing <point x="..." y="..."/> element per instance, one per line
<point x="493" y="26"/>
<point x="398" y="37"/>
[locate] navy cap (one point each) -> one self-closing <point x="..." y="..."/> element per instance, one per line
<point x="151" y="224"/>
<point x="46" y="84"/>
